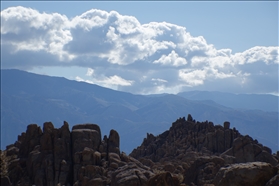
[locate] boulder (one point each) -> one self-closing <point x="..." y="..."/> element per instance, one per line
<point x="88" y="126"/>
<point x="265" y="156"/>
<point x="203" y="170"/>
<point x="249" y="174"/>
<point x="163" y="179"/>
<point x="245" y="149"/>
<point x="130" y="174"/>
<point x="82" y="138"/>
<point x="273" y="181"/>
<point x="226" y="125"/>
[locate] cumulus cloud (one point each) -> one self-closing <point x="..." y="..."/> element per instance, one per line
<point x="268" y="55"/>
<point x="172" y="59"/>
<point x="121" y="53"/>
<point x="25" y="29"/>
<point x="192" y="77"/>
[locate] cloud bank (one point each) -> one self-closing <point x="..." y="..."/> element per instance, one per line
<point x="121" y="53"/>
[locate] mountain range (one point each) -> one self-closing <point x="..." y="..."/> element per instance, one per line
<point x="28" y="98"/>
<point x="263" y="102"/>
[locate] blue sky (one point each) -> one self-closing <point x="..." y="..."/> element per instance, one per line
<point x="223" y="46"/>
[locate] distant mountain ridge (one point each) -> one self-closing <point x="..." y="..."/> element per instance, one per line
<point x="265" y="102"/>
<point x="31" y="98"/>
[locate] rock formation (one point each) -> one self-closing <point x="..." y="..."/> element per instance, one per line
<point x="189" y="153"/>
<point x="80" y="157"/>
<point x="198" y="151"/>
<point x="250" y="174"/>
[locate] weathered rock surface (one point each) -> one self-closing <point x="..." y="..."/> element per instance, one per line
<point x="189" y="153"/>
<point x="5" y="181"/>
<point x="252" y="173"/>
<point x="163" y="179"/>
<point x="273" y="181"/>
<point x="245" y="149"/>
<point x="80" y="157"/>
<point x="197" y="150"/>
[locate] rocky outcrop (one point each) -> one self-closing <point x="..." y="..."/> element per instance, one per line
<point x="186" y="136"/>
<point x="53" y="156"/>
<point x="198" y="150"/>
<point x="41" y="157"/>
<point x="250" y="174"/>
<point x="245" y="149"/>
<point x="86" y="140"/>
<point x="131" y="174"/>
<point x="163" y="179"/>
<point x="189" y="153"/>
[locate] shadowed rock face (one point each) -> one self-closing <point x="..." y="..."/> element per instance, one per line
<point x="163" y="179"/>
<point x="80" y="157"/>
<point x="252" y="173"/>
<point x="190" y="152"/>
<point x="198" y="150"/>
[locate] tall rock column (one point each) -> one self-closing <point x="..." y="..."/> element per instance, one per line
<point x="62" y="155"/>
<point x="113" y="142"/>
<point x="46" y="143"/>
<point x="86" y="140"/>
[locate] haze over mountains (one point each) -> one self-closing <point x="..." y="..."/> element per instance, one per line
<point x="263" y="102"/>
<point x="30" y="98"/>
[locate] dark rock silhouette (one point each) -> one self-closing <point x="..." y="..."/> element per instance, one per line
<point x="198" y="150"/>
<point x="189" y="153"/>
<point x="253" y="173"/>
<point x="163" y="179"/>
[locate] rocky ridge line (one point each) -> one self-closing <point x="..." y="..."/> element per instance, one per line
<point x="60" y="157"/>
<point x="201" y="150"/>
<point x="189" y="153"/>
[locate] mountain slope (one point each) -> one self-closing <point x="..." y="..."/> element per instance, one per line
<point x="30" y="98"/>
<point x="263" y="102"/>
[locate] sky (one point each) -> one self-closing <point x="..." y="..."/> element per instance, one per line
<point x="146" y="47"/>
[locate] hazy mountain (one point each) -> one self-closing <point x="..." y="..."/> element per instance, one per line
<point x="263" y="102"/>
<point x="30" y="98"/>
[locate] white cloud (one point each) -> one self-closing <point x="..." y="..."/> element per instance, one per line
<point x="159" y="80"/>
<point x="121" y="53"/>
<point x="90" y="72"/>
<point x="171" y="59"/>
<point x="26" y="29"/>
<point x="83" y="80"/>
<point x="192" y="77"/>
<point x="268" y="55"/>
<point x="102" y="80"/>
<point x="222" y="75"/>
<point x="116" y="80"/>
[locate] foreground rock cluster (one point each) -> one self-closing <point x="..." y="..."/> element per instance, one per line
<point x="80" y="157"/>
<point x="189" y="153"/>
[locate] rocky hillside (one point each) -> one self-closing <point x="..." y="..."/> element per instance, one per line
<point x="205" y="153"/>
<point x="189" y="153"/>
